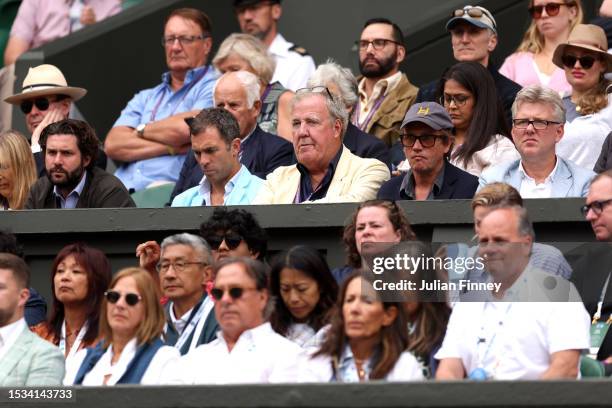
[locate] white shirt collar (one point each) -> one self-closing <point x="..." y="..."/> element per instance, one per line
<point x="279" y="46"/>
<point x="548" y="179"/>
<point x="249" y="337"/>
<point x="388" y="84"/>
<point x="179" y="324"/>
<point x="206" y="189"/>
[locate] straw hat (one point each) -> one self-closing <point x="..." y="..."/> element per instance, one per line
<point x="587" y="37"/>
<point x="45" y="80"/>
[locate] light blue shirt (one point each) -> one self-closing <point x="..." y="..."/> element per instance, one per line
<point x="239" y="190"/>
<point x="347" y="368"/>
<point x="73" y="198"/>
<point x="159" y="103"/>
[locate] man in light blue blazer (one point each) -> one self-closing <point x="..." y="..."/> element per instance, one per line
<point x="215" y="141"/>
<point x="537" y="126"/>
<point x="25" y="358"/>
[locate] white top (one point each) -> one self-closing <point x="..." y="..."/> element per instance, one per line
<point x="521" y="346"/>
<point x="544" y="79"/>
<point x="319" y="369"/>
<point x="305" y="336"/>
<point x="180" y="323"/>
<point x="292" y="69"/>
<point x="259" y="356"/>
<point x="584" y="137"/>
<point x="9" y="335"/>
<point x="164" y="356"/>
<point x="531" y="189"/>
<point x="499" y="150"/>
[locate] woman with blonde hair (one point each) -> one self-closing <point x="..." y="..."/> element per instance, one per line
<point x="588" y="109"/>
<point x="550" y="26"/>
<point x="131" y="323"/>
<point x="244" y="52"/>
<point x="17" y="170"/>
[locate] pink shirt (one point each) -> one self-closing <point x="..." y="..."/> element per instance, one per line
<point x="520" y="67"/>
<point x="41" y="21"/>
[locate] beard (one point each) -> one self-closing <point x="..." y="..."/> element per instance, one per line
<point x="70" y="179"/>
<point x="382" y="67"/>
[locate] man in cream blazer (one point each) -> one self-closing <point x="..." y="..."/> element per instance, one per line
<point x="25" y="358"/>
<point x="326" y="172"/>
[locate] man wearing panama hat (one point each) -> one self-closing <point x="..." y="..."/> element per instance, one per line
<point x="46" y="98"/>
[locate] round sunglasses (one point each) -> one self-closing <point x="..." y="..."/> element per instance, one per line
<point x="42" y="104"/>
<point x="130" y="298"/>
<point x="552" y="9"/>
<point x="231" y="240"/>
<point x="235" y="292"/>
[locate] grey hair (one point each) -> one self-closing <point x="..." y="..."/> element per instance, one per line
<point x="540" y="94"/>
<point x="334" y="105"/>
<point x="199" y="245"/>
<point x="250" y="83"/>
<point x="333" y="73"/>
<point x="251" y="50"/>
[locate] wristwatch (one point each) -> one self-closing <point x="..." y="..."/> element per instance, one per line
<point x="140" y="129"/>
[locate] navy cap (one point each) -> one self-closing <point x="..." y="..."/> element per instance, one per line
<point x="429" y="113"/>
<point x="245" y="3"/>
<point x="475" y="15"/>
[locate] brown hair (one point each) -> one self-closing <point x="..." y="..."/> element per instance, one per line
<point x="195" y="15"/>
<point x="596" y="98"/>
<point x="495" y="194"/>
<point x="98" y="270"/>
<point x="15" y="152"/>
<point x="396" y="216"/>
<point x="152" y="326"/>
<point x="533" y="40"/>
<point x="20" y="269"/>
<point x="394" y="338"/>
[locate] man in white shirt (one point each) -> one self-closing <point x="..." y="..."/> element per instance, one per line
<point x="537" y="126"/>
<point x="260" y="18"/>
<point x="25" y="358"/>
<point x="503" y="338"/>
<point x="184" y="263"/>
<point x="247" y="350"/>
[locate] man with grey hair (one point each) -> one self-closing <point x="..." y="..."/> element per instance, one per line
<point x="216" y="145"/>
<point x="342" y="83"/>
<point x="184" y="263"/>
<point x="537" y="126"/>
<point x="326" y="171"/>
<point x="260" y="152"/>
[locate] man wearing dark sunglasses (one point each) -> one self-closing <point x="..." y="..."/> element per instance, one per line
<point x="46" y="98"/>
<point x="473" y="32"/>
<point x="247" y="349"/>
<point x="427" y="141"/>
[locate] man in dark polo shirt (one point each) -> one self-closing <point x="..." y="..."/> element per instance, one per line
<point x="427" y="140"/>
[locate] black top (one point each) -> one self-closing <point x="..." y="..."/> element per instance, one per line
<point x="365" y="145"/>
<point x="306" y="191"/>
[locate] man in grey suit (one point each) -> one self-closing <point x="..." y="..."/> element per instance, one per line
<point x="25" y="358"/>
<point x="537" y="126"/>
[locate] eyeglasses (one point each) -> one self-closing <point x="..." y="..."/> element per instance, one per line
<point x="586" y="61"/>
<point x="231" y="240"/>
<point x="42" y="104"/>
<point x="538" y="124"/>
<point x="552" y="9"/>
<point x="179" y="266"/>
<point x="377" y="43"/>
<point x="130" y="298"/>
<point x="596" y="206"/>
<point x="459" y="100"/>
<point x="315" y="89"/>
<point x="474" y="12"/>
<point x="409" y="140"/>
<point x="182" y="39"/>
<point x="235" y="292"/>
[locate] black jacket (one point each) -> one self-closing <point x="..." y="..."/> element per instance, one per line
<point x="365" y="145"/>
<point x="604" y="162"/>
<point x="101" y="190"/>
<point x="457" y="184"/>
<point x="506" y="90"/>
<point x="264" y="154"/>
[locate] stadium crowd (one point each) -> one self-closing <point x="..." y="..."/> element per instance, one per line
<point x="260" y="123"/>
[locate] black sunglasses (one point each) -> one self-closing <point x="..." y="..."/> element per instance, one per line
<point x="552" y="9"/>
<point x="586" y="61"/>
<point x="409" y="140"/>
<point x="130" y="298"/>
<point x="235" y="293"/>
<point x="42" y="104"/>
<point x="231" y="240"/>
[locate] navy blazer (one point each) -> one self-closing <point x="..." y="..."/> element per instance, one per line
<point x="365" y="145"/>
<point x="265" y="153"/>
<point x="457" y="184"/>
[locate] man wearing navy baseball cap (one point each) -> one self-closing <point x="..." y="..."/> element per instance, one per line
<point x="427" y="141"/>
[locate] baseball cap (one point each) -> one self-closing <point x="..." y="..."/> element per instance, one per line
<point x="475" y="15"/>
<point x="246" y="3"/>
<point x="429" y="113"/>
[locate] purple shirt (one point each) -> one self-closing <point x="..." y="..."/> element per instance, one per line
<point x="41" y="21"/>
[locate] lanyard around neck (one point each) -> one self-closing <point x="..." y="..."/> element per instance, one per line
<point x="163" y="94"/>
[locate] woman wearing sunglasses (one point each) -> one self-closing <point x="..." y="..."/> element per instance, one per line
<point x="468" y="94"/>
<point x="551" y="23"/>
<point x="304" y="293"/>
<point x="367" y="340"/>
<point x="17" y="170"/>
<point x="373" y="221"/>
<point x="585" y="60"/>
<point x="80" y="276"/>
<point x="131" y="323"/>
